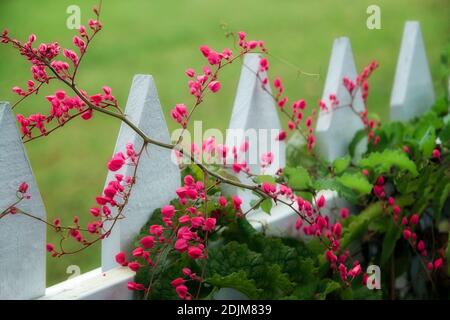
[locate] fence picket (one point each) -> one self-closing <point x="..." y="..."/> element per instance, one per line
<point x="412" y="92"/>
<point x="22" y="239"/>
<point x="254" y="112"/>
<point x="336" y="128"/>
<point x="157" y="176"/>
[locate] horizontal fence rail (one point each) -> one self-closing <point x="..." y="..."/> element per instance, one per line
<point x="22" y="240"/>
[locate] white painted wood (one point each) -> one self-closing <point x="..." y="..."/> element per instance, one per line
<point x="22" y="239"/>
<point x="412" y="93"/>
<point x="336" y="128"/>
<point x="94" y="285"/>
<point x="157" y="176"/>
<point x="255" y="118"/>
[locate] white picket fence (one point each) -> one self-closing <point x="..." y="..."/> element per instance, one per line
<point x="22" y="240"/>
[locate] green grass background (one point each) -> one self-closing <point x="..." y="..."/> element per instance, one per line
<point x="162" y="38"/>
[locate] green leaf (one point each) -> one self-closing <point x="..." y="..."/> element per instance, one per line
<point x="356" y="181"/>
<point x="233" y="257"/>
<point x="427" y="139"/>
<point x="359" y="224"/>
<point x="359" y="136"/>
<point x="330" y="287"/>
<point x="340" y="164"/>
<point x="382" y="162"/>
<point x="266" y="205"/>
<point x="390" y="239"/>
<point x="440" y="106"/>
<point x="298" y="178"/>
<point x="444" y="135"/>
<point x="265" y="178"/>
<point x="236" y="280"/>
<point x="441" y="196"/>
<point x="335" y="185"/>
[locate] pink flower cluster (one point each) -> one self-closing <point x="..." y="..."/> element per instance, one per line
<point x="114" y="195"/>
<point x="208" y="78"/>
<point x="406" y="224"/>
<point x="295" y="114"/>
<point x="183" y="230"/>
<point x="43" y="62"/>
<point x="60" y="107"/>
<point x="361" y="82"/>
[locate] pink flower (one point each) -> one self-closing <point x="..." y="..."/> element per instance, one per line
<point x="237" y="201"/>
<point x="194" y="252"/>
<point x="87" y="114"/>
<point x="182" y="291"/>
<point x="116" y="162"/>
<point x="190" y="73"/>
<point x="337" y="230"/>
<point x="49" y="247"/>
<point x="414" y="219"/>
<point x="222" y="201"/>
<point x="197" y="222"/>
<point x="205" y="50"/>
<point x="121" y="259"/>
<point x="138" y="252"/>
<point x="277" y="83"/>
<point x="181" y="245"/>
<point x="298" y="223"/>
<point x="188" y="180"/>
<point x="406" y="234"/>
<point x="420" y="245"/>
<point x="281" y="136"/>
<point x="95" y="211"/>
<point x="168" y="211"/>
<point x="344" y="213"/>
<point x="186" y="271"/>
<point x="438" y="263"/>
<point x="210" y="224"/>
<point x="184" y="219"/>
<point x="263" y="64"/>
<point x="330" y="256"/>
<point x="23" y="188"/>
<point x="134" y="266"/>
<point x="355" y="271"/>
<point x="266" y="159"/>
<point x="148" y="242"/>
<point x="214" y="86"/>
<point x="321" y="202"/>
<point x="177" y="282"/>
<point x="436" y="154"/>
<point x="156" y="230"/>
<point x="135" y="286"/>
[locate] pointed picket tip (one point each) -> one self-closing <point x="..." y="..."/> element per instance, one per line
<point x="255" y="118"/>
<point x="254" y="111"/>
<point x="412" y="92"/>
<point x="157" y="177"/>
<point x="336" y="128"/>
<point x="22" y="239"/>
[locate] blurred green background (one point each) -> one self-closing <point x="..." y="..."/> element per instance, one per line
<point x="162" y="38"/>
